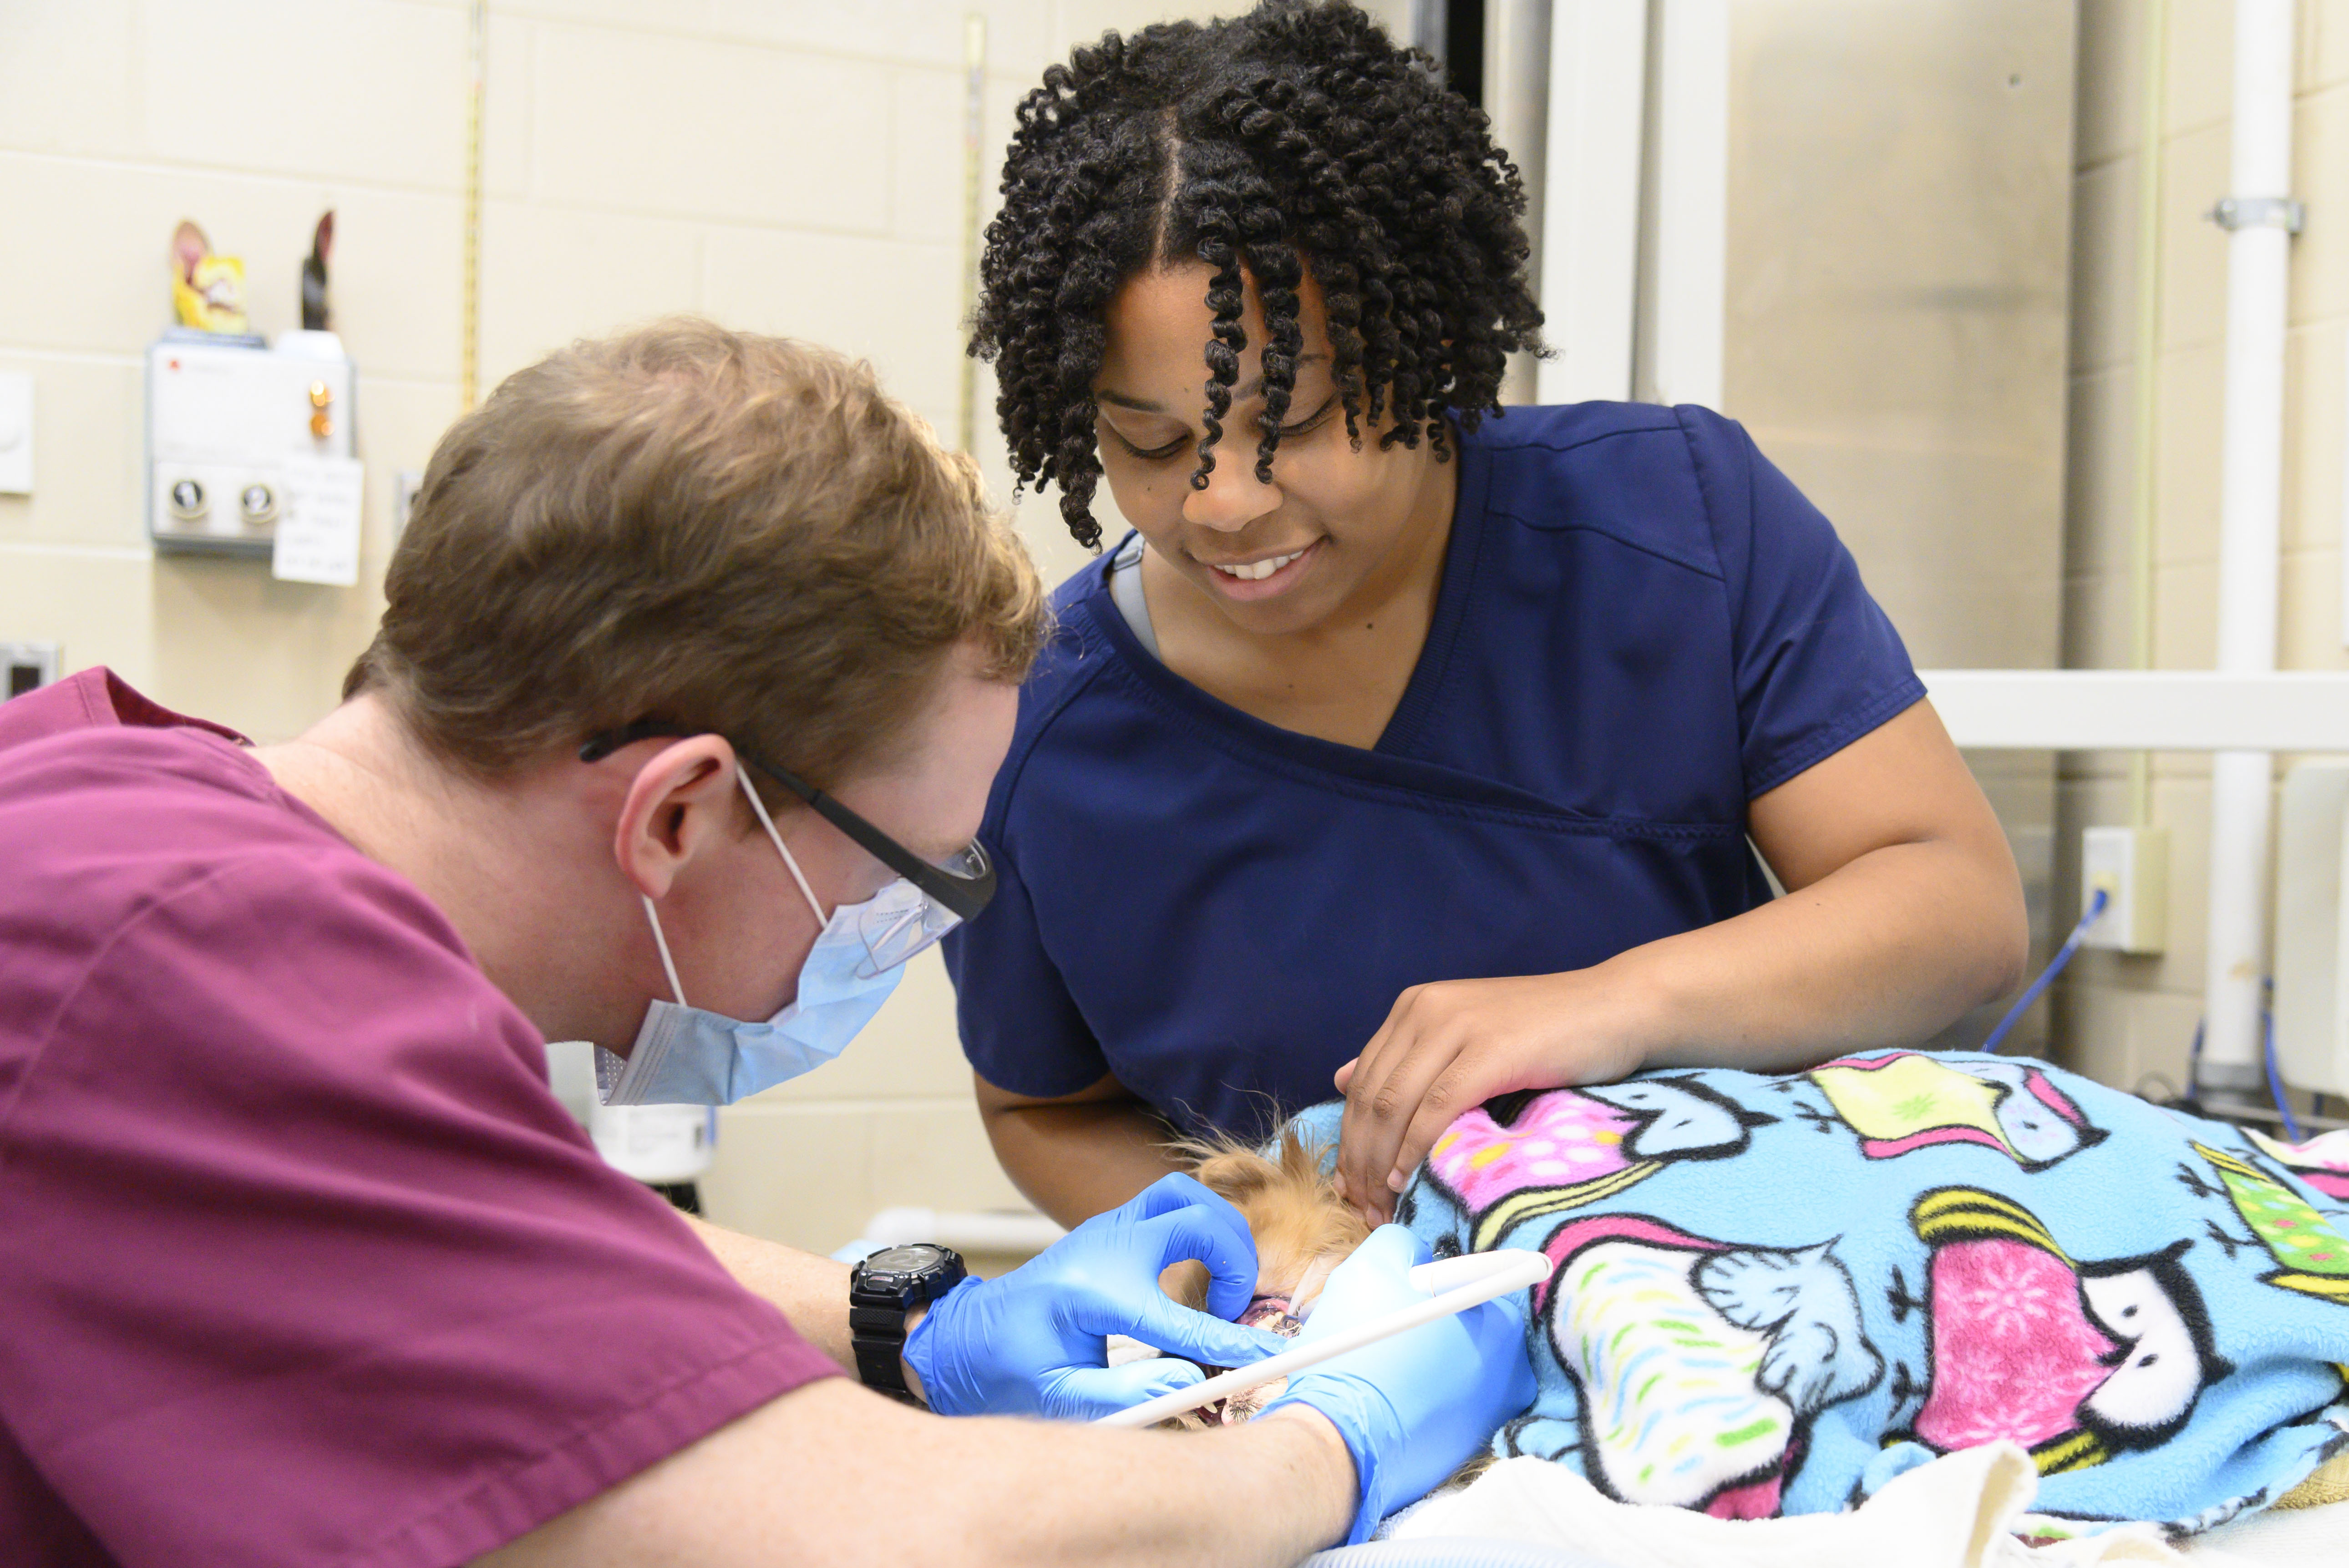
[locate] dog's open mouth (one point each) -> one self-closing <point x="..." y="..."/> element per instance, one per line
<point x="1273" y="1314"/>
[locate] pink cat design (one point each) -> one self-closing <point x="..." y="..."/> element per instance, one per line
<point x="1521" y="1155"/>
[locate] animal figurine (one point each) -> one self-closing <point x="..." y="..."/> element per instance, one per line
<point x="207" y="290"/>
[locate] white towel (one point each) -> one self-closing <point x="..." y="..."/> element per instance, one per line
<point x="1958" y="1511"/>
<point x="2279" y="1538"/>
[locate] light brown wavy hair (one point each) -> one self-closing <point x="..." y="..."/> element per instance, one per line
<point x="728" y="532"/>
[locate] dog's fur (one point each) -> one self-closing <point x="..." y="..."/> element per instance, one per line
<point x="1302" y="1228"/>
<point x="1301" y="1232"/>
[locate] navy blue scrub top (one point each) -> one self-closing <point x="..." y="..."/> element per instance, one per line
<point x="1643" y="625"/>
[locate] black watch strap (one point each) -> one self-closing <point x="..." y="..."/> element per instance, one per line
<point x="877" y="1334"/>
<point x="882" y="1292"/>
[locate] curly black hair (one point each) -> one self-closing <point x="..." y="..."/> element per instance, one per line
<point x="1295" y="138"/>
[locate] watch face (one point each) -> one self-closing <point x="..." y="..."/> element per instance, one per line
<point x="910" y="1259"/>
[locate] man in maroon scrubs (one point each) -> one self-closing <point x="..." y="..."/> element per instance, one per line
<point x="300" y="1260"/>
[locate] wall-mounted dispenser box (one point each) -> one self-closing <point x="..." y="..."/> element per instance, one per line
<point x="225" y="415"/>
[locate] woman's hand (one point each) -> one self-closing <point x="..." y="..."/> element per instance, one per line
<point x="1449" y="1046"/>
<point x="1902" y="911"/>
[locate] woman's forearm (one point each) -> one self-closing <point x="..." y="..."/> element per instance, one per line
<point x="1887" y="950"/>
<point x="1075" y="1158"/>
<point x="1904" y="911"/>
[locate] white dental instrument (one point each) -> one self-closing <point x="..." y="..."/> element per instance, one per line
<point x="1455" y="1285"/>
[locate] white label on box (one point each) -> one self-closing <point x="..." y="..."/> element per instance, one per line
<point x="318" y="530"/>
<point x="656" y="1143"/>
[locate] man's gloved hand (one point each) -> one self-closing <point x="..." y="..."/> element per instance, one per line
<point x="1030" y="1343"/>
<point x="1413" y="1407"/>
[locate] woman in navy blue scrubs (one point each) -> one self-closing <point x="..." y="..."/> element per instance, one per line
<point x="1406" y="747"/>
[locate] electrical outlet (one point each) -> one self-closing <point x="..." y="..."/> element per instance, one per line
<point x="2131" y="866"/>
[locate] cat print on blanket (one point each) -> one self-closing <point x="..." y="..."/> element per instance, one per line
<point x="2323" y="1163"/>
<point x="1771" y="1294"/>
<point x="1903" y="1101"/>
<point x="2311" y="1256"/>
<point x="1699" y="1364"/>
<point x="1522" y="1156"/>
<point x="2071" y="1361"/>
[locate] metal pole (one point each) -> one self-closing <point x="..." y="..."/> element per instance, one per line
<point x="2156" y="23"/>
<point x="2259" y="217"/>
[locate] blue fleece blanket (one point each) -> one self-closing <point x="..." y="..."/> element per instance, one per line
<point x="1772" y="1294"/>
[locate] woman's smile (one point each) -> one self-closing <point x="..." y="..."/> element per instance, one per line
<point x="1264" y="577"/>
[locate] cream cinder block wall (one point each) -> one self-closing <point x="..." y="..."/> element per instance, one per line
<point x="892" y="1121"/>
<point x="791" y="166"/>
<point x="2121" y="1018"/>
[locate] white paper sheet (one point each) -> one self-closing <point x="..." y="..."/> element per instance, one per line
<point x="319" y="527"/>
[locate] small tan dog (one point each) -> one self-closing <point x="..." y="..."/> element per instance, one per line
<point x="1302" y="1231"/>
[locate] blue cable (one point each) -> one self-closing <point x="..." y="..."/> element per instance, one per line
<point x="2054" y="967"/>
<point x="2275" y="1074"/>
<point x="2063" y="956"/>
<point x="2275" y="1082"/>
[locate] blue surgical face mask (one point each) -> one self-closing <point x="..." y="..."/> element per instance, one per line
<point x="688" y="1055"/>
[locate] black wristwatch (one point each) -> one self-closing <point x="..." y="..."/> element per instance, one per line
<point x="885" y="1287"/>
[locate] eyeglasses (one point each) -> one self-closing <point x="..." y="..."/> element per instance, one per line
<point x="932" y="898"/>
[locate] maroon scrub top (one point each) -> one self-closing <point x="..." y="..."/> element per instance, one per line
<point x="300" y="1260"/>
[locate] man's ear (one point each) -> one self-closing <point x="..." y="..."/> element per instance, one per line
<point x="681" y="803"/>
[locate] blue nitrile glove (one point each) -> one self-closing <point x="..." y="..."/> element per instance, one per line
<point x="1030" y="1343"/>
<point x="1412" y="1407"/>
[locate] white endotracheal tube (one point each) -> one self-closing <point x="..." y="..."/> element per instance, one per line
<point x="689" y="1055"/>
